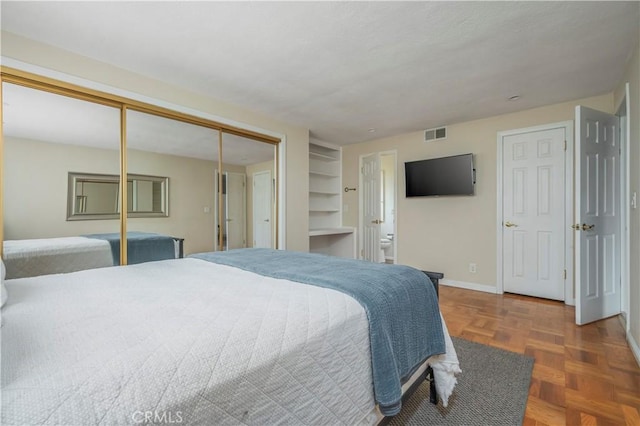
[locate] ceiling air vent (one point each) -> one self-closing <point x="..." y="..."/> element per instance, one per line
<point x="435" y="134"/>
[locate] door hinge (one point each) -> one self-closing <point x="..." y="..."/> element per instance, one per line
<point x="362" y="169"/>
<point x="361" y="252"/>
<point x="565" y="274"/>
<point x="565" y="145"/>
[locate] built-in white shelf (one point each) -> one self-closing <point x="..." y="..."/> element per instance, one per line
<point x="323" y="174"/>
<point x="331" y="231"/>
<point x="323" y="193"/>
<point x="326" y="233"/>
<point x="323" y="157"/>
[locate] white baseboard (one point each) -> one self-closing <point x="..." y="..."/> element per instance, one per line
<point x="469" y="286"/>
<point x="622" y="317"/>
<point x="634" y="347"/>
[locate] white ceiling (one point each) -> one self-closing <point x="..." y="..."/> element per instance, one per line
<point x="341" y="68"/>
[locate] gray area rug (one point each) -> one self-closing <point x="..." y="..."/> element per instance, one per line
<point x="492" y="390"/>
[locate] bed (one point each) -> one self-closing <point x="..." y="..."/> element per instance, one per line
<point x="219" y="338"/>
<point x="34" y="257"/>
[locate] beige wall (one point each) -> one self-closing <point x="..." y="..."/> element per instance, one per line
<point x="35" y="190"/>
<point x="445" y="234"/>
<point x="632" y="76"/>
<point x="251" y="170"/>
<point x="297" y="138"/>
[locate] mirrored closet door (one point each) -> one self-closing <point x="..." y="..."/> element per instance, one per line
<point x="202" y="184"/>
<point x="54" y="147"/>
<point x="246" y="206"/>
<point x="170" y="168"/>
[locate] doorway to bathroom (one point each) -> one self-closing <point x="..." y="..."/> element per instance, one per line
<point x="378" y="200"/>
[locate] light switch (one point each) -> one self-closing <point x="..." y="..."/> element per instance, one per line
<point x="207" y="209"/>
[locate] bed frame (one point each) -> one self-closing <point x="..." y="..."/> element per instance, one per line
<point x="435" y="278"/>
<point x="180" y="242"/>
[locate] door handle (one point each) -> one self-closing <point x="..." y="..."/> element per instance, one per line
<point x="586" y="227"/>
<point x="510" y="225"/>
<point x="576" y="226"/>
<point x="376" y="222"/>
<point x="266" y="220"/>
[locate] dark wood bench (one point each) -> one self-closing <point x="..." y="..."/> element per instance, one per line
<point x="435" y="278"/>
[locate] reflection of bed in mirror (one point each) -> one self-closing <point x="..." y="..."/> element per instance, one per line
<point x="43" y="256"/>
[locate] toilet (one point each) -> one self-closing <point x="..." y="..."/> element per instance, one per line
<point x="385" y="244"/>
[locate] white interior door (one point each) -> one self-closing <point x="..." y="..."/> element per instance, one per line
<point x="598" y="221"/>
<point x="262" y="211"/>
<point x="235" y="215"/>
<point x="371" y="207"/>
<point x="533" y="237"/>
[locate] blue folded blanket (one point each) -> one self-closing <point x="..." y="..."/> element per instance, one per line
<point x="141" y="246"/>
<point x="401" y="305"/>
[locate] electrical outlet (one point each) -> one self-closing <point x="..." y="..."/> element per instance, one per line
<point x="472" y="268"/>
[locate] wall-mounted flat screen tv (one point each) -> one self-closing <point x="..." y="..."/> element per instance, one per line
<point x="440" y="176"/>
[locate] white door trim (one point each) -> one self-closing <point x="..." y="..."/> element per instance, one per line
<point x="361" y="201"/>
<point x="625" y="176"/>
<point x="395" y="202"/>
<point x="281" y="179"/>
<point x="569" y="297"/>
<point x="359" y="250"/>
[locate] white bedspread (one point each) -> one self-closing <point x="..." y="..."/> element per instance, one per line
<point x="33" y="257"/>
<point x="182" y="340"/>
<point x="179" y="338"/>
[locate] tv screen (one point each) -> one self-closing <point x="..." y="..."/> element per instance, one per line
<point x="440" y="176"/>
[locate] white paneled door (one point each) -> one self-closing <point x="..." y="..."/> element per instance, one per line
<point x="533" y="237"/>
<point x="236" y="200"/>
<point x="598" y="221"/>
<point x="371" y="207"/>
<point x="262" y="210"/>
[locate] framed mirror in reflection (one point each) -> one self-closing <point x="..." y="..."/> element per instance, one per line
<point x="96" y="196"/>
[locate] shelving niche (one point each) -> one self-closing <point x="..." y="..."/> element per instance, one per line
<point x="326" y="233"/>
